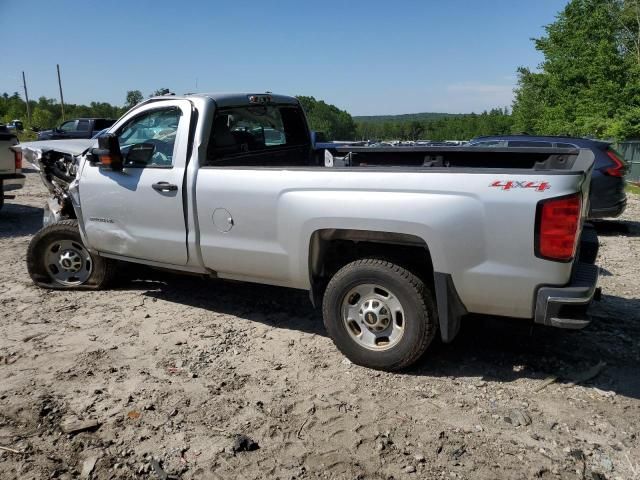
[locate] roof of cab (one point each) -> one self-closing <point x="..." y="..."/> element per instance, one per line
<point x="233" y="99"/>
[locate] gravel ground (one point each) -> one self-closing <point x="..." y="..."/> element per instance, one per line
<point x="192" y="378"/>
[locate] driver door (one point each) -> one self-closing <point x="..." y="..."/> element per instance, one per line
<point x="139" y="212"/>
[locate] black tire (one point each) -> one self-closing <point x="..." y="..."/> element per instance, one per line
<point x="102" y="271"/>
<point x="420" y="323"/>
<point x="1" y="195"/>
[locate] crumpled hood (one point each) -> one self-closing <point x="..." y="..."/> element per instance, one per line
<point x="32" y="151"/>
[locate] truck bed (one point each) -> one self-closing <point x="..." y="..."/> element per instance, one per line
<point x="520" y="158"/>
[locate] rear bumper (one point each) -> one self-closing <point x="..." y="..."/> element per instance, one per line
<point x="566" y="307"/>
<point x="13" y="181"/>
<point x="608" y="212"/>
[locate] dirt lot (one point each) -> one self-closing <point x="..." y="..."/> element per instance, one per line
<point x="168" y="370"/>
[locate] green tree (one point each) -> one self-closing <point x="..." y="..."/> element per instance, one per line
<point x="42" y="118"/>
<point x="586" y="83"/>
<point x="133" y="98"/>
<point x="323" y="117"/>
<point x="455" y="127"/>
<point x="160" y="92"/>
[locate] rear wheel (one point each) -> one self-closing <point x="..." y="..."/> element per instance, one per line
<point x="57" y="258"/>
<point x="379" y="314"/>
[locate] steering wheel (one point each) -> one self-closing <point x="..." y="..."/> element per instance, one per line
<point x="161" y="147"/>
<point x="162" y="153"/>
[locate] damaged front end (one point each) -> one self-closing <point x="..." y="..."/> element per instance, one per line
<point x="58" y="162"/>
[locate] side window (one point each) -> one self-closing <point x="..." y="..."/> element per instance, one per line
<point x="259" y="135"/>
<point x="148" y="139"/>
<point x="83" y="126"/>
<point x="69" y="126"/>
<point x="565" y="145"/>
<point x="529" y="143"/>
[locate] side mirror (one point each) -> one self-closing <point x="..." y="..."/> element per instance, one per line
<point x="108" y="154"/>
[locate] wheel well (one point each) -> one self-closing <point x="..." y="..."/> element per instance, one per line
<point x="331" y="249"/>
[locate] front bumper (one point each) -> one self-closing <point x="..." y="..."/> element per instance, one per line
<point x="566" y="307"/>
<point x="13" y="181"/>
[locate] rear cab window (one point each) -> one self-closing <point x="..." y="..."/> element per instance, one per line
<point x="259" y="135"/>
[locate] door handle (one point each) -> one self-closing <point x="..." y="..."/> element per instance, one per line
<point x="164" y="187"/>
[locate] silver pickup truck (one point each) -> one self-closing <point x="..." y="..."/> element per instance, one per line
<point x="394" y="243"/>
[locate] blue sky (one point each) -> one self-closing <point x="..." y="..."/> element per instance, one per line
<point x="368" y="57"/>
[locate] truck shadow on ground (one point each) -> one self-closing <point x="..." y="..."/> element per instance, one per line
<point x="507" y="350"/>
<point x="615" y="228"/>
<point x="494" y="349"/>
<point x="274" y="306"/>
<point x="18" y="220"/>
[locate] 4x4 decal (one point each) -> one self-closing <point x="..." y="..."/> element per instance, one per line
<point x="511" y="184"/>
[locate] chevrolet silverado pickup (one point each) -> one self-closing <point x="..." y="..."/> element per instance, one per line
<point x="395" y="244"/>
<point x="11" y="176"/>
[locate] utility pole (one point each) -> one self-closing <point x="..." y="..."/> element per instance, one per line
<point x="26" y="96"/>
<point x="60" y="86"/>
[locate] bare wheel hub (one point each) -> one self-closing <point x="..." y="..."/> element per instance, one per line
<point x="373" y="316"/>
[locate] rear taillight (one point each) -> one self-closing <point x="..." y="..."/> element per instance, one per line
<point x="557" y="225"/>
<point x="18" y="159"/>
<point x="618" y="169"/>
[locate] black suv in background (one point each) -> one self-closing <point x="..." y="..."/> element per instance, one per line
<point x="78" y="128"/>
<point x="607" y="197"/>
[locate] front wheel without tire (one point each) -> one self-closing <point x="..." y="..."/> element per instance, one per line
<point x="56" y="258"/>
<point x="379" y="314"/>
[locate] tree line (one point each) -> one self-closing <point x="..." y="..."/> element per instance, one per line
<point x="587" y="85"/>
<point x="47" y="112"/>
<point x="457" y="127"/>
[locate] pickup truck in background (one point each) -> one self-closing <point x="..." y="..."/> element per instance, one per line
<point x="394" y="244"/>
<point x="78" y="128"/>
<point x="11" y="176"/>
